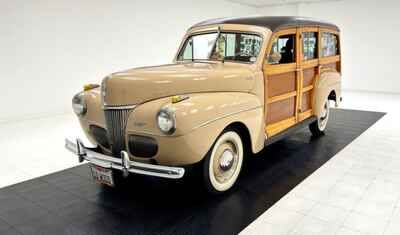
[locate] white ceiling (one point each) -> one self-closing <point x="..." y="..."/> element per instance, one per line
<point x="265" y="3"/>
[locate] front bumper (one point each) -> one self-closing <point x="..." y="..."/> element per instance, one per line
<point x="123" y="164"/>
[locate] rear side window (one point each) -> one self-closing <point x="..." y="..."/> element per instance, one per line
<point x="310" y="48"/>
<point x="283" y="50"/>
<point x="329" y="44"/>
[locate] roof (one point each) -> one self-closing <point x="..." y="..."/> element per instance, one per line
<point x="274" y="23"/>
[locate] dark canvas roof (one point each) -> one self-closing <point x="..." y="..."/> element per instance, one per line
<point x="274" y="23"/>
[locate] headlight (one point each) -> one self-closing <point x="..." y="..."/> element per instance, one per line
<point x="166" y="120"/>
<point x="79" y="104"/>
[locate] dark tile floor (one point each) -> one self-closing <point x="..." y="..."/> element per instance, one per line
<point x="69" y="202"/>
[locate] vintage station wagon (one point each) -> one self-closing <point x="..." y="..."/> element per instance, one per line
<point x="235" y="86"/>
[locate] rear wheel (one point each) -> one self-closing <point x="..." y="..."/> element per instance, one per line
<point x="318" y="127"/>
<point x="223" y="162"/>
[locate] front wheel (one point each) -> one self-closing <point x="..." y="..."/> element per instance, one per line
<point x="223" y="162"/>
<point x="318" y="127"/>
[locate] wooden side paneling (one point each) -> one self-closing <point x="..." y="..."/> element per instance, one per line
<point x="306" y="101"/>
<point x="308" y="76"/>
<point x="281" y="83"/>
<point x="281" y="110"/>
<point x="333" y="65"/>
<point x="275" y="128"/>
<point x="305" y="115"/>
<point x="289" y="88"/>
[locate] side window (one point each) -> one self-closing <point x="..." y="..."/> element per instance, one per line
<point x="237" y="47"/>
<point x="310" y="48"/>
<point x="283" y="50"/>
<point x="329" y="44"/>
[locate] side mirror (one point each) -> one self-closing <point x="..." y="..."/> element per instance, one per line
<point x="274" y="58"/>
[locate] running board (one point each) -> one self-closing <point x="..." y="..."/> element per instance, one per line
<point x="290" y="130"/>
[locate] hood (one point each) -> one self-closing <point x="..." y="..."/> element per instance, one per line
<point x="139" y="85"/>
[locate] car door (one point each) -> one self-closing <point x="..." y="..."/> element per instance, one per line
<point x="308" y="69"/>
<point x="282" y="77"/>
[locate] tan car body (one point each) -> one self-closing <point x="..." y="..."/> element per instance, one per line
<point x="220" y="95"/>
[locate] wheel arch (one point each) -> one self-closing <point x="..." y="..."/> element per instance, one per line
<point x="328" y="86"/>
<point x="244" y="134"/>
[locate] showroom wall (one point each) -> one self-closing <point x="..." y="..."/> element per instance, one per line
<point x="49" y="49"/>
<point x="370" y="39"/>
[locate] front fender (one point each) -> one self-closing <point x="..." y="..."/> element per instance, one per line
<point x="196" y="111"/>
<point x="200" y="119"/>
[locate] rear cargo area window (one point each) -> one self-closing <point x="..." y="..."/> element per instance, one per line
<point x="329" y="44"/>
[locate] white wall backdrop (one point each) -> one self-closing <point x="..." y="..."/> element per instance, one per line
<point x="370" y="39"/>
<point x="49" y="49"/>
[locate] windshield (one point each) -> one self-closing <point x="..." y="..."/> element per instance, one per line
<point x="242" y="47"/>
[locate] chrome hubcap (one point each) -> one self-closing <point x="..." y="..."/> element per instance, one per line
<point x="226" y="160"/>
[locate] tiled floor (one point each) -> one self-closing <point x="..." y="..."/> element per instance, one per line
<point x="31" y="148"/>
<point x="356" y="192"/>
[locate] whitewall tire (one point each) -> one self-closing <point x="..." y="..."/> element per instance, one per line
<point x="223" y="162"/>
<point x="319" y="126"/>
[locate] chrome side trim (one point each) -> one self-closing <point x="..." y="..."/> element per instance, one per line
<point x="124" y="163"/>
<point x="224" y="116"/>
<point x="110" y="107"/>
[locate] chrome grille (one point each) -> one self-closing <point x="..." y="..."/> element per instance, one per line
<point x="116" y="120"/>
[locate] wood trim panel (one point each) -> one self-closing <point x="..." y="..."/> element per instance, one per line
<point x="305" y="115"/>
<point x="309" y="76"/>
<point x="280" y="84"/>
<point x="275" y="110"/>
<point x="310" y="63"/>
<point x="325" y="30"/>
<point x="306" y="101"/>
<point x="307" y="88"/>
<point x="272" y="69"/>
<point x="329" y="59"/>
<point x="275" y="128"/>
<point x="280" y="110"/>
<point x="281" y="97"/>
<point x="279" y="105"/>
<point x="308" y="29"/>
<point x="284" y="32"/>
<point x="299" y="85"/>
<point x="299" y="72"/>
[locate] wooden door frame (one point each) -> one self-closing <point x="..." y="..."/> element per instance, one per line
<point x="275" y="69"/>
<point x="306" y="64"/>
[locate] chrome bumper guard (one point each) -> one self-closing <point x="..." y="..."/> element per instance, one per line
<point x="124" y="163"/>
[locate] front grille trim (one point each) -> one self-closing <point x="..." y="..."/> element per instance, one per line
<point x="116" y="120"/>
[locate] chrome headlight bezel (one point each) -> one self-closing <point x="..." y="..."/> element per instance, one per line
<point x="79" y="104"/>
<point x="166" y="120"/>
